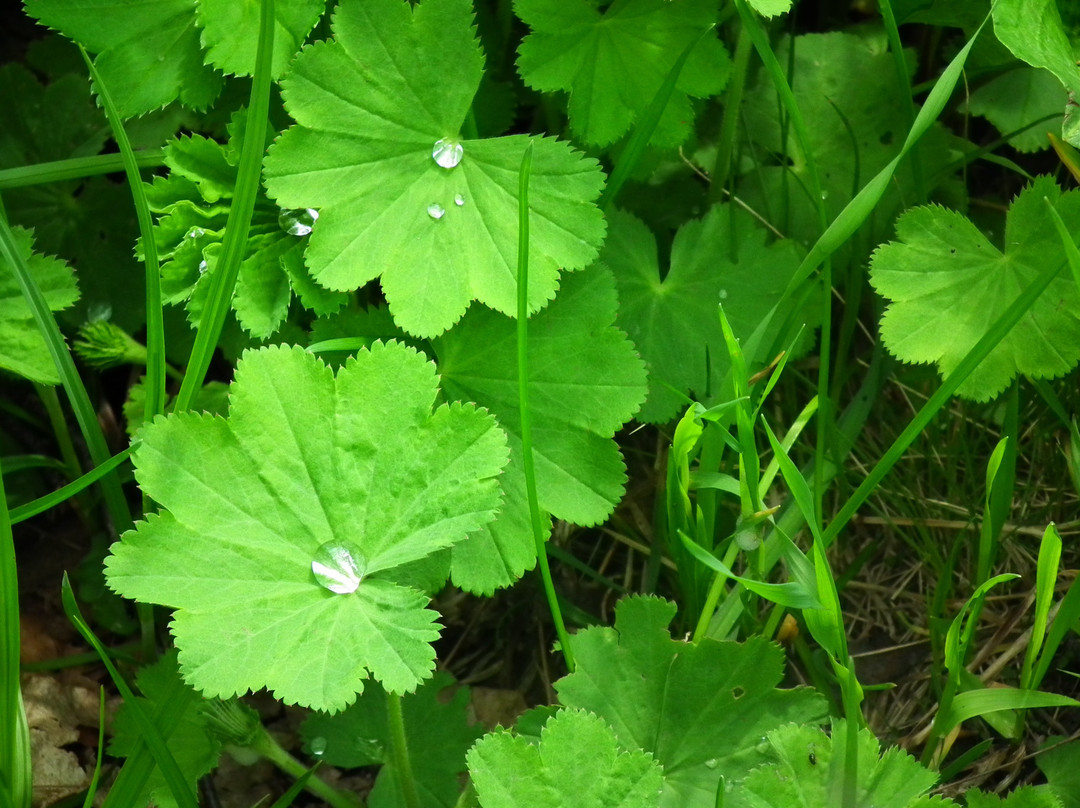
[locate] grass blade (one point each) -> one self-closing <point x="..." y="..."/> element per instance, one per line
<point x="249" y="170"/>
<point x="41" y="504"/>
<point x="75" y="168"/>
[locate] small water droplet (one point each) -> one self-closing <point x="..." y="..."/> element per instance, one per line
<point x="711" y="763"/>
<point x="195" y="232"/>
<point x="723" y="294"/>
<point x="318" y="746"/>
<point x="447" y="152"/>
<point x="459" y="200"/>
<point x="435" y="210"/>
<point x="298" y="222"/>
<point x="762" y="746"/>
<point x="339" y="566"/>
<point x="824" y="194"/>
<point x="202" y="267"/>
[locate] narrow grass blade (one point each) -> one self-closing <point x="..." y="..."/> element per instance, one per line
<point x="525" y="415"/>
<point x="75" y="168"/>
<point x="997" y="332"/>
<point x="15" y="774"/>
<point x="792" y="594"/>
<point x="1067" y="153"/>
<point x="1071" y="253"/>
<point x="646" y="125"/>
<point x="151" y="735"/>
<point x="223" y="280"/>
<point x="155" y="324"/>
<point x="1067" y="615"/>
<point x="84" y="411"/>
<point x="903" y="81"/>
<point x="859" y="209"/>
<point x="1045" y="577"/>
<point x="286" y="799"/>
<point x="974" y="703"/>
<point x="95" y="778"/>
<point x="33" y="508"/>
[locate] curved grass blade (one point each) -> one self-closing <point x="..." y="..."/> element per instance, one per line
<point x="223" y="280"/>
<point x="75" y="168"/>
<point x="155" y="324"/>
<point x="34" y="507"/>
<point x="151" y="735"/>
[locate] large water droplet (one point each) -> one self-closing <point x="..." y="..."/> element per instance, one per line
<point x="298" y="222"/>
<point x="447" y="152"/>
<point x="435" y="210"/>
<point x="459" y="200"/>
<point x="318" y="746"/>
<point x="339" y="566"/>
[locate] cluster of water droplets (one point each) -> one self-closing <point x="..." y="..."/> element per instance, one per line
<point x="446" y="153"/>
<point x="339" y="566"/>
<point x="299" y="222"/>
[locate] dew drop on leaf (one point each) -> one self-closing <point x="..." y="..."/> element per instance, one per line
<point x="711" y="763"/>
<point x="436" y="211"/>
<point x="459" y="200"/>
<point x="298" y="222"/>
<point x="202" y="266"/>
<point x="339" y="566"/>
<point x="318" y="746"/>
<point x="447" y="152"/>
<point x="723" y="294"/>
<point x="762" y="746"/>
<point x="195" y="233"/>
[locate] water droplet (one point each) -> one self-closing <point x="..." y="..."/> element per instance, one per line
<point x="824" y="194"/>
<point x="195" y="232"/>
<point x="318" y="746"/>
<point x="298" y="222"/>
<point x="712" y="763"/>
<point x="202" y="267"/>
<point x="339" y="566"/>
<point x="723" y="294"/>
<point x="762" y="746"/>
<point x="435" y="210"/>
<point x="447" y="152"/>
<point x="459" y="200"/>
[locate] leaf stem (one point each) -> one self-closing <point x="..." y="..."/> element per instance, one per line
<point x="399" y="748"/>
<point x="523" y="404"/>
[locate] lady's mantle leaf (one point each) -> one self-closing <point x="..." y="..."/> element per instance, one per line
<point x="613" y="62"/>
<point x="577" y="762"/>
<point x="305" y="459"/>
<point x="664" y="696"/>
<point x="22" y="348"/>
<point x="370" y="107"/>
<point x="193" y="204"/>
<point x="585" y="383"/>
<point x="675" y="321"/>
<point x="808" y="770"/>
<point x="231" y="32"/>
<point x="148" y="53"/>
<point x="439" y="733"/>
<point x="948" y="284"/>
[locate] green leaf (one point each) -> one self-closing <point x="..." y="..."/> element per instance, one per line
<point x="195" y="750"/>
<point x="770" y="8"/>
<point x="674" y="320"/>
<point x="439" y="735"/>
<point x="700" y="710"/>
<point x="586" y="383"/>
<point x="148" y="53"/>
<point x="808" y="766"/>
<point x="948" y="283"/>
<point x="1032" y="30"/>
<point x="377" y="149"/>
<point x="613" y="62"/>
<point x="308" y="466"/>
<point x="231" y="32"/>
<point x="22" y="347"/>
<point x="1015" y="99"/>
<point x="193" y="204"/>
<point x="1061" y="765"/>
<point x="577" y="762"/>
<point x="1023" y="797"/>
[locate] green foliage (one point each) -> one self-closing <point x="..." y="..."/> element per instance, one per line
<point x="231" y="32"/>
<point x="585" y="383"/>
<point x="1026" y="797"/>
<point x="307" y="466"/>
<point x="577" y="762"/>
<point x="1061" y="765"/>
<point x="22" y="346"/>
<point x="439" y="736"/>
<point x="948" y="283"/>
<point x="380" y="109"/>
<point x="719" y="259"/>
<point x="194" y="748"/>
<point x="613" y="62"/>
<point x="699" y="709"/>
<point x="148" y="54"/>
